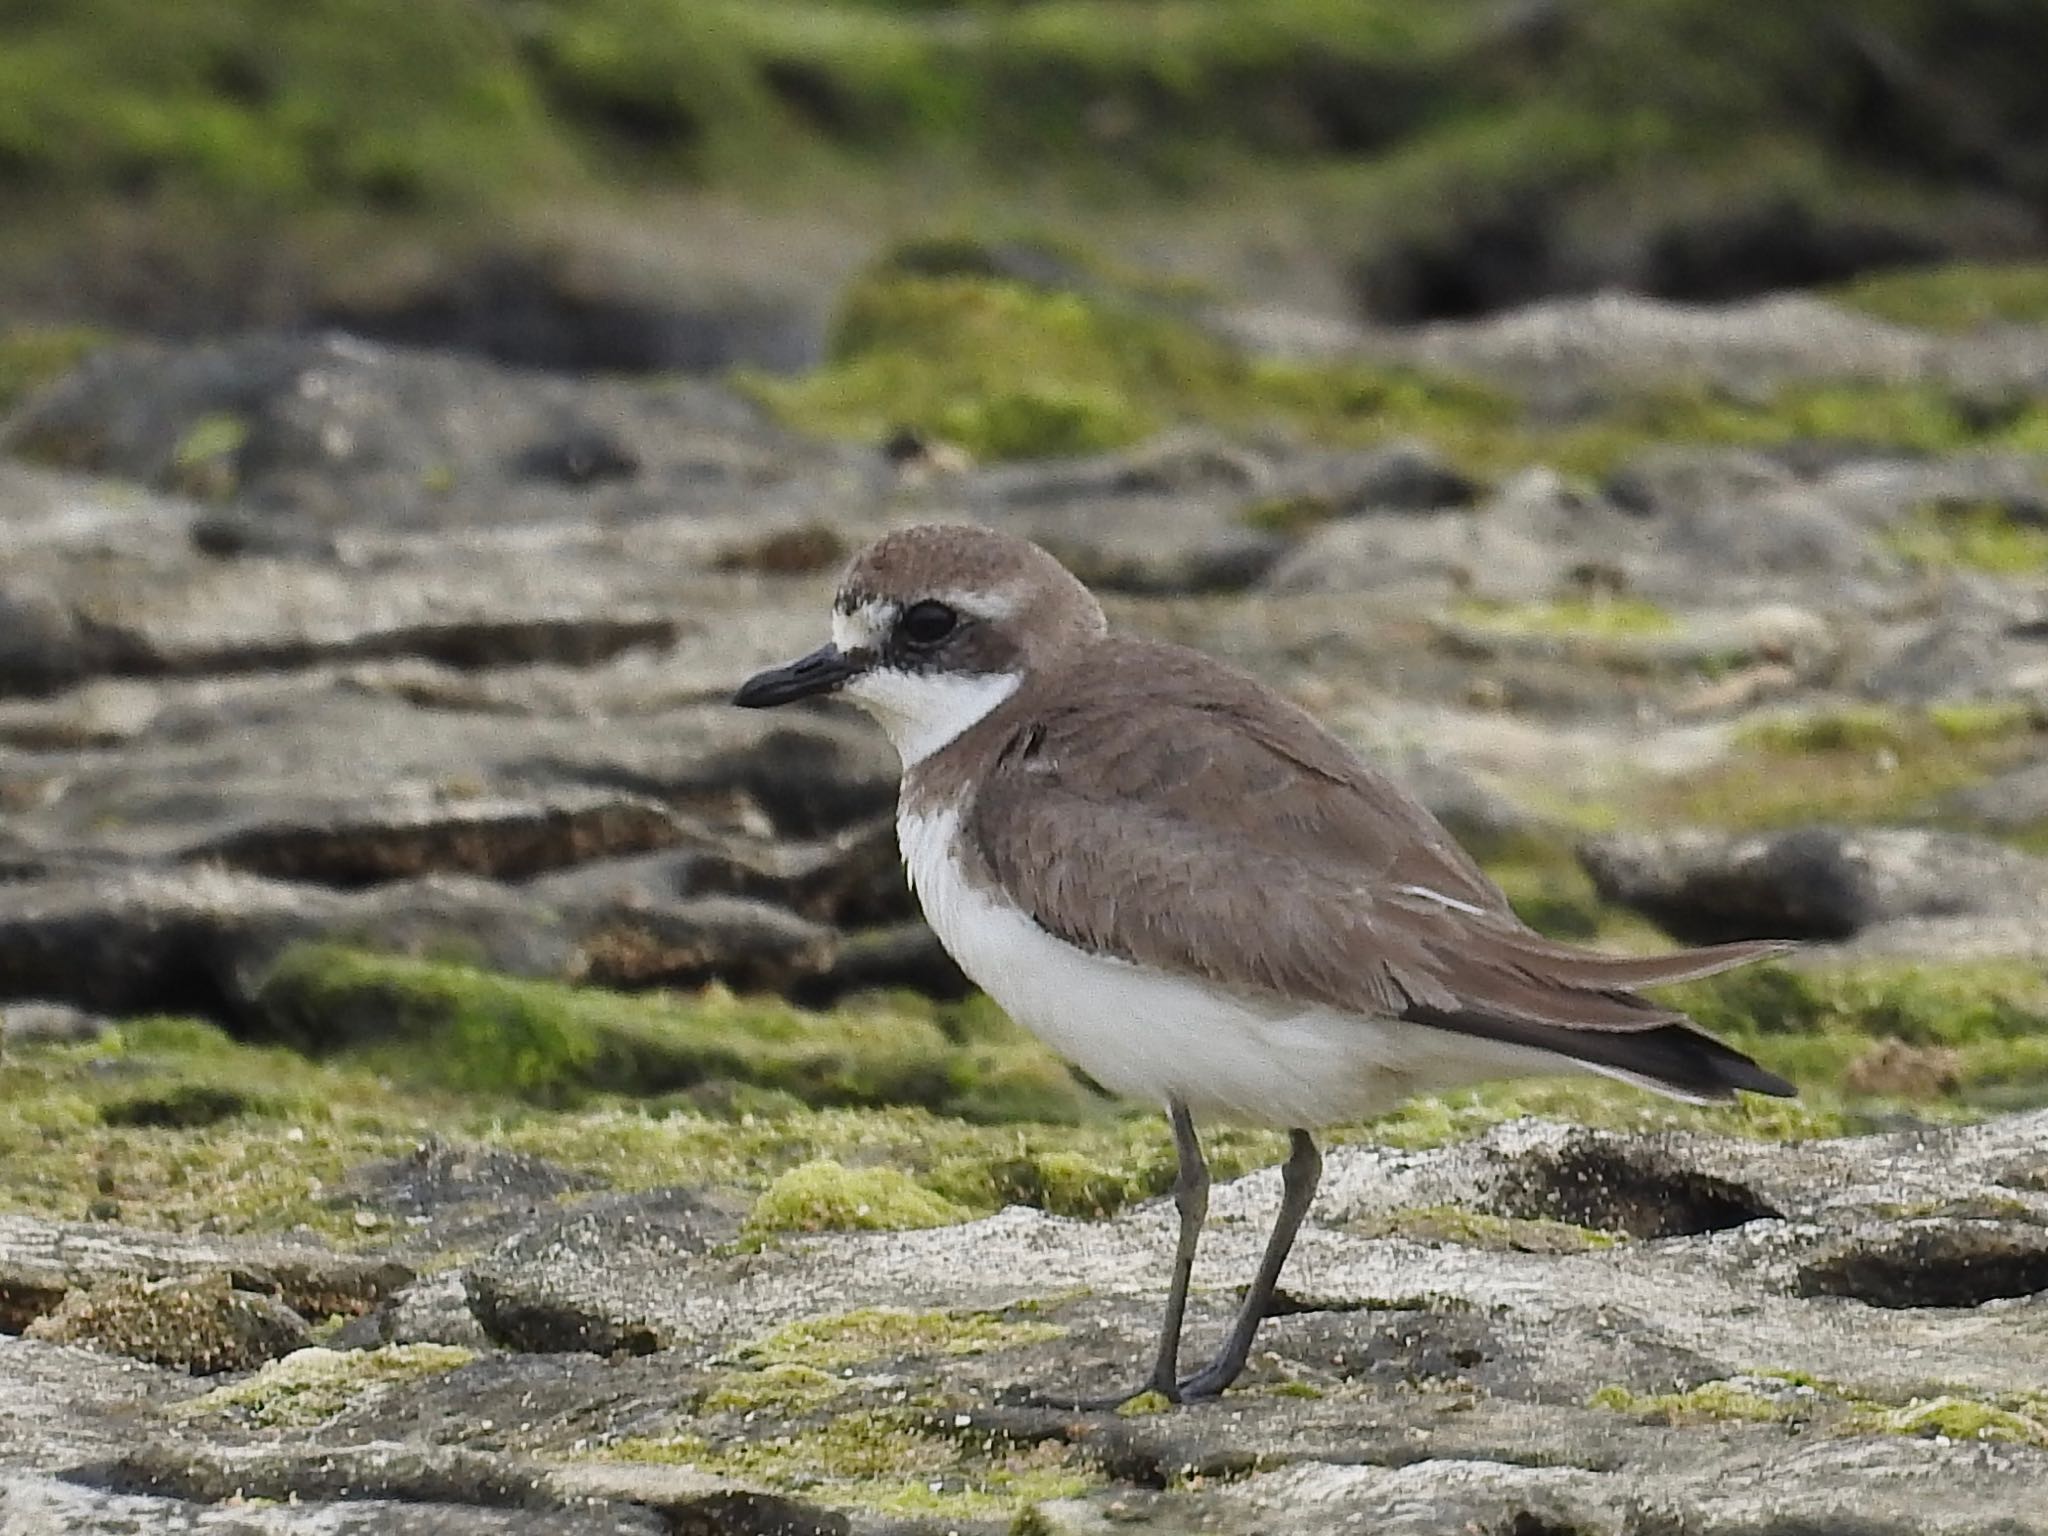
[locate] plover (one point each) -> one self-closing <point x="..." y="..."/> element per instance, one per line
<point x="1198" y="895"/>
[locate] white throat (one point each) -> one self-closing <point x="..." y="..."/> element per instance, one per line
<point x="923" y="711"/>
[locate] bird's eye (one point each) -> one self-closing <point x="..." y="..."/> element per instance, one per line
<point x="927" y="623"/>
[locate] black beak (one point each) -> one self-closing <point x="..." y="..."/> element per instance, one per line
<point x="820" y="672"/>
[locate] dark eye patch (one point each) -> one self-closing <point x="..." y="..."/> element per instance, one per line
<point x="927" y="623"/>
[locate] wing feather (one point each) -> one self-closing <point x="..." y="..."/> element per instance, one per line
<point x="1219" y="833"/>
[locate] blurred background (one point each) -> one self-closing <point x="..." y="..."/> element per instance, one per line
<point x="647" y="184"/>
<point x="1627" y="419"/>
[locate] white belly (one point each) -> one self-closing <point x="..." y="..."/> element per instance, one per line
<point x="1158" y="1037"/>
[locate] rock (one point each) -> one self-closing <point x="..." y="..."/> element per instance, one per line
<point x="1392" y="477"/>
<point x="1561" y="347"/>
<point x="1441" y="553"/>
<point x="326" y="431"/>
<point x="1784" y="533"/>
<point x="59" y="1406"/>
<point x="40" y="1023"/>
<point x="500" y="838"/>
<point x="749" y="945"/>
<point x="1822" y="1487"/>
<point x="1676" y="481"/>
<point x="1967" y="652"/>
<point x="42" y="646"/>
<point x="430" y="1311"/>
<point x="1129" y="555"/>
<point x="2012" y="802"/>
<point x="1480" y="817"/>
<point x="42" y="1262"/>
<point x="906" y="955"/>
<point x="36" y="1503"/>
<point x="1721" y="1328"/>
<point x="1175" y="464"/>
<point x="584" y="312"/>
<point x="1814" y="883"/>
<point x="496" y="927"/>
<point x="205" y="940"/>
<point x="198" y="1323"/>
<point x="405" y="1475"/>
<point x="498" y="641"/>
<point x="534" y="1292"/>
<point x="806" y="780"/>
<point x="135" y="942"/>
<point x="1939" y="1262"/>
<point x="440" y="1177"/>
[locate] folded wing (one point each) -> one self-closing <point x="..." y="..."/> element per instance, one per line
<point x="1228" y="837"/>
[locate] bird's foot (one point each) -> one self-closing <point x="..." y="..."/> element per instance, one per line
<point x="1212" y="1380"/>
<point x="1149" y="1398"/>
<point x="1153" y="1397"/>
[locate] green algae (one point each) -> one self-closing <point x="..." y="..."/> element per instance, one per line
<point x="1006" y="369"/>
<point x="1798" y="1400"/>
<point x="1458" y="1226"/>
<point x="824" y="1196"/>
<point x="32" y="356"/>
<point x="1971" y="535"/>
<point x="855" y="1338"/>
<point x="471" y="1031"/>
<point x="1144" y="1405"/>
<point x="82" y="1132"/>
<point x="311" y="1386"/>
<point x="1955" y="1417"/>
<point x="1712" y="1401"/>
<point x="1955" y="1003"/>
<point x="173" y="1124"/>
<point x="888" y="1461"/>
<point x="783" y="1388"/>
<point x="1861" y="764"/>
<point x="1909" y="417"/>
<point x="1067" y="1183"/>
<point x="1435" y="1120"/>
<point x="1567" y="617"/>
<point x="1961" y="296"/>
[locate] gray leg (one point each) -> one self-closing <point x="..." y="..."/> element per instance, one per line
<point x="1298" y="1176"/>
<point x="1191" y="1199"/>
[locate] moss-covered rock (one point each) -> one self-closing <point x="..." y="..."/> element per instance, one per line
<point x="844" y="1339"/>
<point x="310" y="1386"/>
<point x="1792" y="1398"/>
<point x="1962" y="296"/>
<point x="1587" y="616"/>
<point x="1437" y="1224"/>
<point x="1976" y="536"/>
<point x="886" y="1461"/>
<point x="1861" y="764"/>
<point x="1750" y="1400"/>
<point x="1955" y="1417"/>
<point x="198" y="1323"/>
<point x="1007" y="369"/>
<point x="31" y="356"/>
<point x="84" y="1134"/>
<point x="825" y="1196"/>
<point x="475" y="1032"/>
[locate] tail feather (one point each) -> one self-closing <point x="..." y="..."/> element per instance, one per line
<point x="1584" y="1007"/>
<point x="1588" y="970"/>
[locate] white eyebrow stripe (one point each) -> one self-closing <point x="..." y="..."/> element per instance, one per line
<point x="1440" y="899"/>
<point x="999" y="604"/>
<point x="864" y="628"/>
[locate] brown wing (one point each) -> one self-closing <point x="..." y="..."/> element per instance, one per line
<point x="1233" y="756"/>
<point x="1219" y="833"/>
